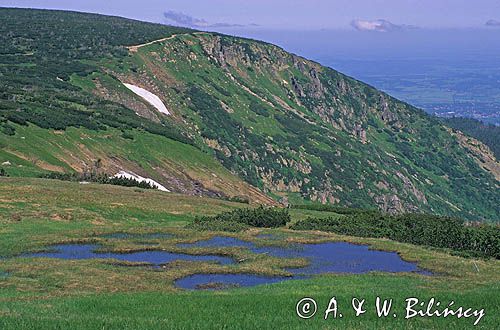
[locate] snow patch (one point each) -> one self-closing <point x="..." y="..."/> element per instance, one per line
<point x="151" y="98"/>
<point x="130" y="175"/>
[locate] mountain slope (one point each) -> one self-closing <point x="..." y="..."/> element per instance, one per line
<point x="43" y="59"/>
<point x="179" y="167"/>
<point x="286" y="125"/>
<point x="486" y="133"/>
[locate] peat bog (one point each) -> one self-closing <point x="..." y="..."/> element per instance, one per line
<point x="329" y="257"/>
<point x="155" y="258"/>
<point x="323" y="258"/>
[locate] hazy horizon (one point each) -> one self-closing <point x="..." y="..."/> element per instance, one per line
<point x="293" y="14"/>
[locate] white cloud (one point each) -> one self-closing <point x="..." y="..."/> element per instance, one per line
<point x="184" y="20"/>
<point x="493" y="22"/>
<point x="379" y="25"/>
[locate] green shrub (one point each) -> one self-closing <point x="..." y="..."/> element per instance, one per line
<point x="239" y="199"/>
<point x="8" y="129"/>
<point x="418" y="229"/>
<point x="260" y="217"/>
<point x="99" y="178"/>
<point x="259" y="109"/>
<point x="127" y="135"/>
<point x="482" y="240"/>
<point x="331" y="208"/>
<point x="209" y="224"/>
<point x="241" y="219"/>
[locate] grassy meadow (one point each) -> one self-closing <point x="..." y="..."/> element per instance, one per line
<point x="104" y="294"/>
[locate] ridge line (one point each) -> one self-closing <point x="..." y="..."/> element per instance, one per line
<point x="135" y="48"/>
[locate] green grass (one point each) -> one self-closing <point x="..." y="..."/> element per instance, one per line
<point x="34" y="209"/>
<point x="267" y="307"/>
<point x="34" y="151"/>
<point x="37" y="211"/>
<point x="94" y="294"/>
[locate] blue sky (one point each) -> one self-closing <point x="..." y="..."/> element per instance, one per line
<point x="294" y="14"/>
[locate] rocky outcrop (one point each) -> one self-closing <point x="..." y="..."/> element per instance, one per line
<point x="390" y="204"/>
<point x="311" y="131"/>
<point x="480" y="152"/>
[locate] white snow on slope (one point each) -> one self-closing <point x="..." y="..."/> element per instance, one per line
<point x="130" y="175"/>
<point x="151" y="98"/>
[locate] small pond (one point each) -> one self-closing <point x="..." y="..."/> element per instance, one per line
<point x="330" y="257"/>
<point x="156" y="258"/>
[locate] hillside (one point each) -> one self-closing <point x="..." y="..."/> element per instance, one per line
<point x="50" y="124"/>
<point x="486" y="133"/>
<point x="245" y="110"/>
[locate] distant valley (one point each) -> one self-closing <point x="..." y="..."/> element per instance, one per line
<point x="446" y="88"/>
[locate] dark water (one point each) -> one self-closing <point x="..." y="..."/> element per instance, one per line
<point x="156" y="258"/>
<point x="226" y="281"/>
<point x="339" y="257"/>
<point x="330" y="257"/>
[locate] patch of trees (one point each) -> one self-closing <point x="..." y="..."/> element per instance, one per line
<point x="6" y="128"/>
<point x="488" y="134"/>
<point x="419" y="229"/>
<point x="242" y="219"/>
<point x="259" y="108"/>
<point x="331" y="208"/>
<point x="42" y="49"/>
<point x="100" y="178"/>
<point x="239" y="199"/>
